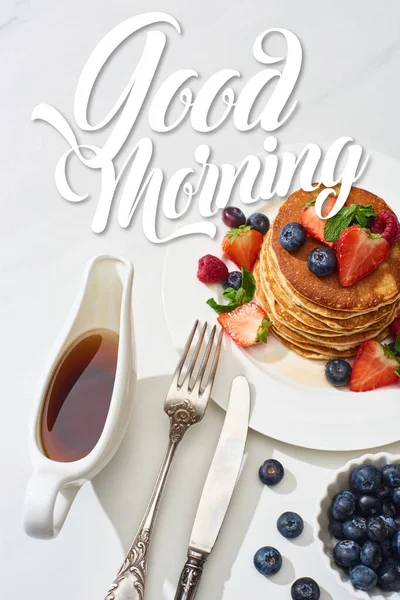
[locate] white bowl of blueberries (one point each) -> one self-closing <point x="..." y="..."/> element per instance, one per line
<point x="358" y="526"/>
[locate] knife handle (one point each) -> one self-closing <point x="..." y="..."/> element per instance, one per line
<point x="189" y="580"/>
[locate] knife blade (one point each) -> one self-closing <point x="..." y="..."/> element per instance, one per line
<point x="218" y="488"/>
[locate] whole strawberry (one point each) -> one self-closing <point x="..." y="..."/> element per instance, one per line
<point x="211" y="270"/>
<point x="387" y="224"/>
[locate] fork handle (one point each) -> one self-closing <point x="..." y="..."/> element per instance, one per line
<point x="189" y="580"/>
<point x="130" y="581"/>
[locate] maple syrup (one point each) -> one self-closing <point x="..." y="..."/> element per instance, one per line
<point x="79" y="395"/>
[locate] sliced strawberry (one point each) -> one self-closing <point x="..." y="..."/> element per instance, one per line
<point x="373" y="367"/>
<point x="359" y="253"/>
<point x="313" y="224"/>
<point x="247" y="325"/>
<point x="242" y="246"/>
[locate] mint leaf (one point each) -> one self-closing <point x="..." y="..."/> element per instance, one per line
<point x="230" y="293"/>
<point x="363" y="213"/>
<point x="222" y="308"/>
<point x="263" y="331"/>
<point x="248" y="284"/>
<point x="397" y="343"/>
<point x="311" y="203"/>
<point x="335" y="225"/>
<point x="236" y="297"/>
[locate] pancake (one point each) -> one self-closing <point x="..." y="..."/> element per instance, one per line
<point x="339" y="345"/>
<point x="379" y="288"/>
<point x="310" y="314"/>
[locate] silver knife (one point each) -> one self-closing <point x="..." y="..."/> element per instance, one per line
<point x="218" y="488"/>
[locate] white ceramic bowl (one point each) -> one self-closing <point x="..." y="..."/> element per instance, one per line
<point x="326" y="542"/>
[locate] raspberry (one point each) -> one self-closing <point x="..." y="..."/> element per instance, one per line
<point x="387" y="224"/>
<point x="211" y="270"/>
<point x="394" y="327"/>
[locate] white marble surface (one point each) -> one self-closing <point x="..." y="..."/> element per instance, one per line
<point x="349" y="86"/>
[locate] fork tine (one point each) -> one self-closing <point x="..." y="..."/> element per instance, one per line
<point x="215" y="359"/>
<point x="204" y="361"/>
<point x="195" y="355"/>
<point x="185" y="352"/>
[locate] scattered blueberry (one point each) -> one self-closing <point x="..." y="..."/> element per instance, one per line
<point x="290" y="525"/>
<point x="322" y="261"/>
<point x="259" y="222"/>
<point x="268" y="561"/>
<point x="363" y="578"/>
<point x="388" y="509"/>
<point x="338" y="372"/>
<point x="391" y="525"/>
<point x="396" y="545"/>
<point x="343" y="506"/>
<point x="347" y="553"/>
<point x="336" y="529"/>
<point x="371" y="555"/>
<point x="305" y="588"/>
<point x="366" y="478"/>
<point x="233" y="217"/>
<point x="292" y="236"/>
<point x="384" y="492"/>
<point x="396" y="495"/>
<point x="389" y="577"/>
<point x="271" y="472"/>
<point x="377" y="529"/>
<point x="391" y="475"/>
<point x="355" y="529"/>
<point x="234" y="280"/>
<point x="369" y="505"/>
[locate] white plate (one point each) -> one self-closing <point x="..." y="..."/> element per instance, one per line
<point x="292" y="401"/>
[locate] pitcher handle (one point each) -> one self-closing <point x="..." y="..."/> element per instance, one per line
<point x="47" y="503"/>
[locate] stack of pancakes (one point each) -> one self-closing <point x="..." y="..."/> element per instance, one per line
<point x="316" y="316"/>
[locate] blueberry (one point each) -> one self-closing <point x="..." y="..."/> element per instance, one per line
<point x="371" y="555"/>
<point x="305" y="588"/>
<point x="268" y="561"/>
<point x="363" y="578"/>
<point x="391" y="475"/>
<point x="369" y="505"/>
<point x="322" y="261"/>
<point x="366" y="478"/>
<point x="259" y="222"/>
<point x="386" y="548"/>
<point x="343" y="506"/>
<point x="388" y="508"/>
<point x="338" y="372"/>
<point x="384" y="492"/>
<point x="290" y="525"/>
<point x="396" y="496"/>
<point x="377" y="529"/>
<point x="234" y="280"/>
<point x="391" y="525"/>
<point x="336" y="529"/>
<point x="355" y="529"/>
<point x="233" y="217"/>
<point x="271" y="472"/>
<point x="292" y="236"/>
<point x="389" y="576"/>
<point x="396" y="545"/>
<point x="347" y="553"/>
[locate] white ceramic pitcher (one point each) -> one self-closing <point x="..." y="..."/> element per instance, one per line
<point x="104" y="302"/>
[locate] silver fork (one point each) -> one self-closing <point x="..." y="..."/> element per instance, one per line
<point x="185" y="404"/>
